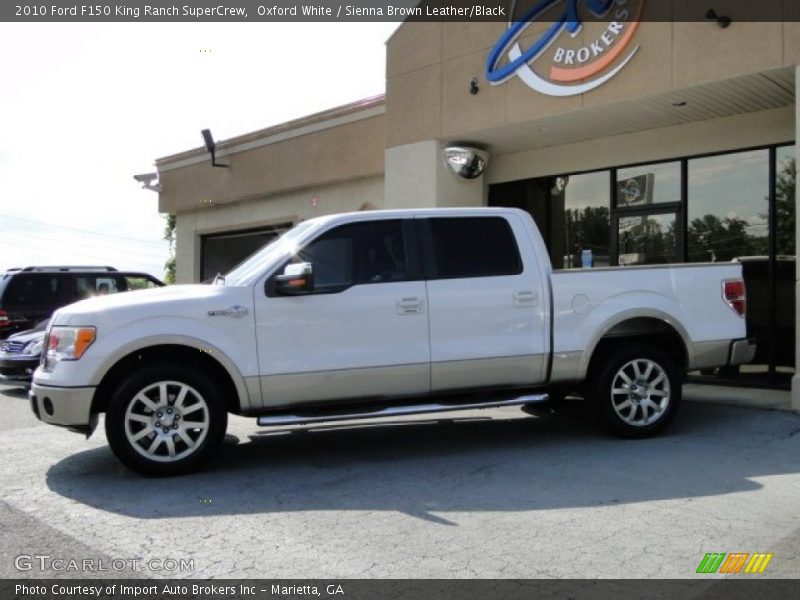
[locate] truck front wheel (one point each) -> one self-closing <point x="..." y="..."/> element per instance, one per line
<point x="165" y="419"/>
<point x="636" y="388"/>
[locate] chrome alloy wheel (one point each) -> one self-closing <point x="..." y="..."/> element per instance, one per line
<point x="640" y="392"/>
<point x="166" y="421"/>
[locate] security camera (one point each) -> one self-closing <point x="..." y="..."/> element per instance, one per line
<point x="147" y="179"/>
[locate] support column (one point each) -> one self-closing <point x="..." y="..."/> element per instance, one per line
<point x="796" y="378"/>
<point x="187" y="254"/>
<point x="417" y="177"/>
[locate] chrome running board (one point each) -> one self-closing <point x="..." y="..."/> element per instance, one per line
<point x="396" y="411"/>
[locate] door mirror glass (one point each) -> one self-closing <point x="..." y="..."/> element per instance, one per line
<point x="297" y="278"/>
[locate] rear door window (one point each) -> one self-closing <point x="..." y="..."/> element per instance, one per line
<point x="473" y="247"/>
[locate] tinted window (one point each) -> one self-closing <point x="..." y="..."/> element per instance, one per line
<point x="371" y="252"/>
<point x="474" y="247"/>
<point x="87" y="286"/>
<point x="33" y="289"/>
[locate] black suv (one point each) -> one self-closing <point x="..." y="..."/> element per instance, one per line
<point x="29" y="296"/>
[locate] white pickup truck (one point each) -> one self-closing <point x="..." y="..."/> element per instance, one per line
<point x="384" y="313"/>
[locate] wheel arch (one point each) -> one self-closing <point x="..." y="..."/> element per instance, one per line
<point x="183" y="350"/>
<point x="651" y="326"/>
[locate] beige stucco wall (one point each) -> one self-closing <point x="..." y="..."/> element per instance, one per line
<point x="714" y="135"/>
<point x="342" y="153"/>
<point x="429" y="66"/>
<point x="417" y="177"/>
<point x="291" y="207"/>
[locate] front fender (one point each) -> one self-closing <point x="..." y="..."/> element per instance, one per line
<point x="233" y="348"/>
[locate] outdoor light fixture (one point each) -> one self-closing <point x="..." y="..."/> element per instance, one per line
<point x="473" y="86"/>
<point x="147" y="179"/>
<point x="559" y="185"/>
<point x="465" y="161"/>
<point x="722" y="20"/>
<point x="212" y="148"/>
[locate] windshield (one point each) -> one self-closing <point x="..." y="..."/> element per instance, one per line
<point x="247" y="272"/>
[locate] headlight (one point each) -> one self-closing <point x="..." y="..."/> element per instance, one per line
<point x="67" y="343"/>
<point x="34" y="348"/>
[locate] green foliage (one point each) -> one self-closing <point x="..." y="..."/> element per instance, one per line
<point x="587" y="228"/>
<point x="785" y="201"/>
<point x="648" y="238"/>
<point x="170" y="221"/>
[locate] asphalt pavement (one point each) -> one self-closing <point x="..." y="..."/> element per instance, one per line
<point x="478" y="494"/>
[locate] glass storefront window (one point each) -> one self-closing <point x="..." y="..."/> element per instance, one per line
<point x="648" y="184"/>
<point x="587" y="218"/>
<point x="646" y="239"/>
<point x="785" y="185"/>
<point x="728" y="206"/>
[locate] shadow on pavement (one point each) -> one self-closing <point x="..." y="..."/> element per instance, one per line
<point x="15" y="392"/>
<point x="428" y="468"/>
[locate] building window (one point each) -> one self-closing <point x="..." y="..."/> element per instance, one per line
<point x="587" y="218"/>
<point x="219" y="253"/>
<point x="728" y="206"/>
<point x="648" y="184"/>
<point x="785" y="201"/>
<point x="646" y="239"/>
<point x="647" y="200"/>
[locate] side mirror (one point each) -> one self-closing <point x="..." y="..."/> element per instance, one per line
<point x="297" y="278"/>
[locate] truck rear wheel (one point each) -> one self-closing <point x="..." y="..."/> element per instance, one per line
<point x="165" y="419"/>
<point x="637" y="389"/>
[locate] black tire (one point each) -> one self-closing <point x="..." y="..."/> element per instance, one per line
<point x="644" y="405"/>
<point x="146" y="412"/>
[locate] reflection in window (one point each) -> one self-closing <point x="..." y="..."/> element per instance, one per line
<point x="357" y="253"/>
<point x="647" y="240"/>
<point x="728" y="206"/>
<point x="785" y="185"/>
<point x="587" y="222"/>
<point x="648" y="184"/>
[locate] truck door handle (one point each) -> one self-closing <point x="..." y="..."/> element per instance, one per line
<point x="526" y="298"/>
<point x="409" y="306"/>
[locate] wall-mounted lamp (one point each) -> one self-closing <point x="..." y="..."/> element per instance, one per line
<point x="147" y="179"/>
<point x="722" y="20"/>
<point x="466" y="161"/>
<point x="559" y="185"/>
<point x="211" y="146"/>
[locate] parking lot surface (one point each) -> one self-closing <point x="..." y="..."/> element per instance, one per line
<point x="487" y="494"/>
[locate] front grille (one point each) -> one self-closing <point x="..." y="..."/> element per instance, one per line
<point x="12" y="347"/>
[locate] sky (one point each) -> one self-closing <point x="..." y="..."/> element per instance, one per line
<point x="84" y="107"/>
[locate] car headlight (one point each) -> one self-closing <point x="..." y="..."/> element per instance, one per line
<point x="34" y="348"/>
<point x="67" y="343"/>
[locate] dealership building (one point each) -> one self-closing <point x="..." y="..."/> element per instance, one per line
<point x="629" y="139"/>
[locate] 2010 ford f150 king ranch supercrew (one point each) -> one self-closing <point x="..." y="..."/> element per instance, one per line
<point x="384" y="313"/>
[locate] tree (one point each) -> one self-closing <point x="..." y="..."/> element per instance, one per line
<point x="785" y="201"/>
<point x="713" y="239"/>
<point x="647" y="237"/>
<point x="169" y="235"/>
<point x="587" y="228"/>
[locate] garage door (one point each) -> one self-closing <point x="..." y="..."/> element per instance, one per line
<point x="221" y="252"/>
